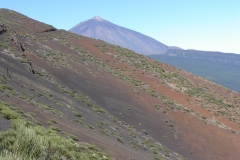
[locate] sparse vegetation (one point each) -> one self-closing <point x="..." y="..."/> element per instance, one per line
<point x="26" y="141"/>
<point x="7" y="112"/>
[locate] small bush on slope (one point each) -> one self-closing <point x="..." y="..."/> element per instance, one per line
<point x="7" y="112"/>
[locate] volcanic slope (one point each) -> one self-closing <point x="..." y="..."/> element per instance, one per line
<point x="124" y="103"/>
<point x="99" y="28"/>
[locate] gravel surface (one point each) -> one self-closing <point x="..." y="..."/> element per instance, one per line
<point x="4" y="124"/>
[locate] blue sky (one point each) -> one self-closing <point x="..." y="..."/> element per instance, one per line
<point x="190" y="24"/>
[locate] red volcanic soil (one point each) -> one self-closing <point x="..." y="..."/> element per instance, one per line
<point x="209" y="141"/>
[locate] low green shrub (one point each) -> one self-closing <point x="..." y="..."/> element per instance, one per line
<point x="4" y="87"/>
<point x="7" y="112"/>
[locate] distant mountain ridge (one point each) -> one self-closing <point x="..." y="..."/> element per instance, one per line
<point x="210" y="56"/>
<point x="99" y="28"/>
<point x="221" y="68"/>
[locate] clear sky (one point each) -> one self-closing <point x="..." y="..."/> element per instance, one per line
<point x="212" y="25"/>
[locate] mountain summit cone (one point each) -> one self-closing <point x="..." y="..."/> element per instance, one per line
<point x="98" y="18"/>
<point x="99" y="28"/>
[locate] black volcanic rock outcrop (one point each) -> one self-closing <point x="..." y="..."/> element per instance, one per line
<point x="99" y="28"/>
<point x="50" y="30"/>
<point x="2" y="28"/>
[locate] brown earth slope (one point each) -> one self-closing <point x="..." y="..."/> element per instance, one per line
<point x="126" y="104"/>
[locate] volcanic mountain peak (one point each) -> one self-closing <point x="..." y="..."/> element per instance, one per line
<point x="98" y="18"/>
<point x="99" y="28"/>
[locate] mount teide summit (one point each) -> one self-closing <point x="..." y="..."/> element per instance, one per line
<point x="99" y="28"/>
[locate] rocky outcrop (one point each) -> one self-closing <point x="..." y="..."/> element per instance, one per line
<point x="2" y="28"/>
<point x="21" y="47"/>
<point x="50" y="30"/>
<point x="28" y="67"/>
